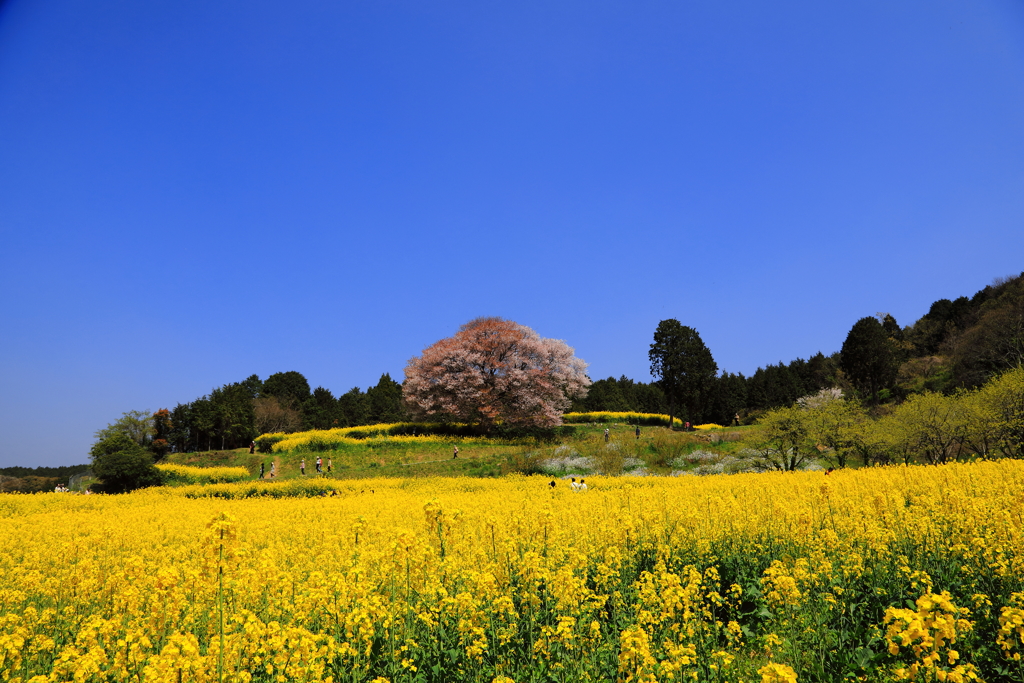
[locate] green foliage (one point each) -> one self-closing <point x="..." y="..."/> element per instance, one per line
<point x="291" y="388"/>
<point x="1000" y="407"/>
<point x="836" y="426"/>
<point x="684" y="367"/>
<point x="869" y="357"/>
<point x="123" y="465"/>
<point x="621" y="395"/>
<point x="353" y="408"/>
<point x="137" y="425"/>
<point x="786" y="439"/>
<point x="320" y="410"/>
<point x="384" y="401"/>
<point x="61" y="473"/>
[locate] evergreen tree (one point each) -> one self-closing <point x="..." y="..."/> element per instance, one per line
<point x="353" y="409"/>
<point x="290" y="388"/>
<point x="684" y="367"/>
<point x="320" y="410"/>
<point x="384" y="401"/>
<point x="869" y="357"/>
<point x="605" y="395"/>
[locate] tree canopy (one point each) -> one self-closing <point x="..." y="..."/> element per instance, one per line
<point x="684" y="367"/>
<point x="495" y="371"/>
<point x="870" y="357"/>
<point x="123" y="465"/>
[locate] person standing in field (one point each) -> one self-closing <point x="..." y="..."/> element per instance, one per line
<point x="263" y="469"/>
<point x="638" y="431"/>
<point x="252" y="447"/>
<point x="302" y="467"/>
<point x="273" y="469"/>
<point x="583" y="486"/>
<point x="319" y="465"/>
<point x="329" y="465"/>
<point x="455" y="452"/>
<point x="606" y="435"/>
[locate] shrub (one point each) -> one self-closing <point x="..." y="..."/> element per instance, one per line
<point x="123" y="465"/>
<point x="643" y="419"/>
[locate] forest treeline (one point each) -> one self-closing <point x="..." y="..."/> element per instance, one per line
<point x="31" y="479"/>
<point x="233" y="415"/>
<point x="958" y="344"/>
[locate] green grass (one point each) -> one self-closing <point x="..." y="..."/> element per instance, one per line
<point x="658" y="448"/>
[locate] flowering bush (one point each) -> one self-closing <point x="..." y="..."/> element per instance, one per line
<point x="183" y="474"/>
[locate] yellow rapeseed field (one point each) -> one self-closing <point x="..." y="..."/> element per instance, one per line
<point x="898" y="573"/>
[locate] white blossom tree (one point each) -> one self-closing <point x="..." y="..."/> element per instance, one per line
<point x="495" y="371"/>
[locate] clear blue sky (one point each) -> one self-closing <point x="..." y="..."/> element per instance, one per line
<point x="193" y="192"/>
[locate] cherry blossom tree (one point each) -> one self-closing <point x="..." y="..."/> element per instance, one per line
<point x="495" y="371"/>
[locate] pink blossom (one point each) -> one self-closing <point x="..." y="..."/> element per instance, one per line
<point x="495" y="371"/>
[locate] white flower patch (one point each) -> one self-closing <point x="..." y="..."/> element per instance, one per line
<point x="568" y="464"/>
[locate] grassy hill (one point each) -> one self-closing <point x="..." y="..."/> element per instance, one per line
<point x="581" y="449"/>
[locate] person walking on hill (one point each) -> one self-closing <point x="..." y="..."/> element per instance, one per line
<point x="273" y="469"/>
<point x="252" y="447"/>
<point x="329" y="465"/>
<point x="263" y="469"/>
<point x="319" y="465"/>
<point x="606" y="435"/>
<point x="302" y="467"/>
<point x="455" y="453"/>
<point x="638" y="431"/>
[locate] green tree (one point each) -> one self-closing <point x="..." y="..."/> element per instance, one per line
<point x="605" y="394"/>
<point x="385" y="401"/>
<point x="123" y="465"/>
<point x="729" y="398"/>
<point x="234" y="418"/>
<point x="290" y="388"/>
<point x="135" y="424"/>
<point x="683" y="366"/>
<point x="786" y="439"/>
<point x="931" y="427"/>
<point x="835" y="424"/>
<point x="162" y="427"/>
<point x="320" y="410"/>
<point x="353" y="409"/>
<point x="869" y="357"/>
<point x="1002" y="400"/>
<point x="181" y="435"/>
<point x="253" y="386"/>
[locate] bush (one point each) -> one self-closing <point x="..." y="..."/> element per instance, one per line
<point x="523" y="461"/>
<point x="265" y="443"/>
<point x="643" y="419"/>
<point x="122" y="465"/>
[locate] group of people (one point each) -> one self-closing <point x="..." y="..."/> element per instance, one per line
<point x="576" y="486"/>
<point x="302" y="467"/>
<point x="61" y="488"/>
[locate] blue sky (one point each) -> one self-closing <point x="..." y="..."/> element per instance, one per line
<point x="193" y="192"/>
